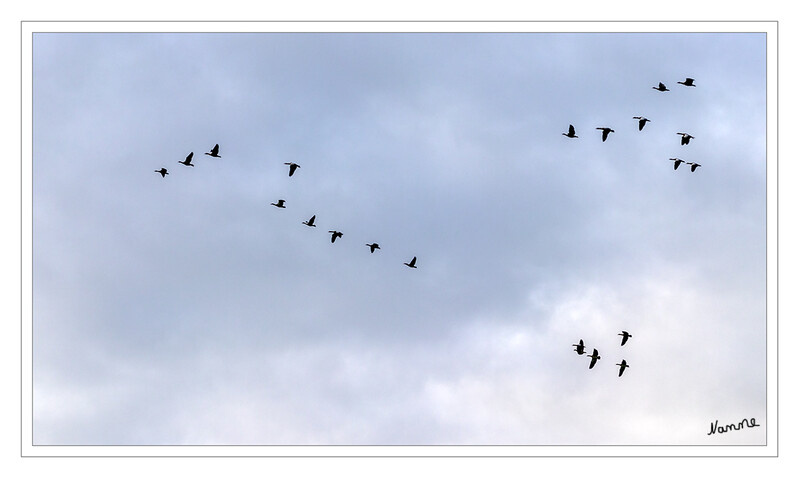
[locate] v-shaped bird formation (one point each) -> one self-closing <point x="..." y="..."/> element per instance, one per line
<point x="685" y="138"/>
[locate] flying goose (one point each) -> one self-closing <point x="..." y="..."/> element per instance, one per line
<point x="624" y="336"/>
<point x="373" y="246"/>
<point x="622" y="366"/>
<point x="335" y="235"/>
<point x="677" y="162"/>
<point x="310" y="221"/>
<point x="280" y="203"/>
<point x="694" y="166"/>
<point x="187" y="161"/>
<point x="162" y="171"/>
<point x="411" y="264"/>
<point x="594" y="357"/>
<point x="570" y="134"/>
<point x="687" y="82"/>
<point x="292" y="167"/>
<point x="685" y="138"/>
<point x="214" y="153"/>
<point x="605" y="133"/>
<point x="641" y="122"/>
<point x="579" y="348"/>
<point x="660" y="87"/>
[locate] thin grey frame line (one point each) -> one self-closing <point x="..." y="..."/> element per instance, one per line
<point x="488" y="32"/>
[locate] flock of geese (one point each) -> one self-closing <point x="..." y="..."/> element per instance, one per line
<point x="684" y="140"/>
<point x="281" y="203"/>
<point x="579" y="347"/>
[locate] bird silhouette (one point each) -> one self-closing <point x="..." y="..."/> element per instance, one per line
<point x="373" y="246"/>
<point x="685" y="138"/>
<point x="579" y="347"/>
<point x="660" y="87"/>
<point x="214" y="152"/>
<point x="411" y="264"/>
<point x="280" y="203"/>
<point x="624" y="336"/>
<point x="310" y="221"/>
<point x="694" y="166"/>
<point x="292" y="167"/>
<point x="622" y="366"/>
<point x="594" y="357"/>
<point x="162" y="171"/>
<point x="570" y="134"/>
<point x="335" y="234"/>
<point x="641" y="122"/>
<point x="187" y="161"/>
<point x="687" y="82"/>
<point x="677" y="162"/>
<point x="605" y="133"/>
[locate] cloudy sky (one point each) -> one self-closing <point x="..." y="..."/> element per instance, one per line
<point x="188" y="310"/>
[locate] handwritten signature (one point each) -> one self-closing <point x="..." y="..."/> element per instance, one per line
<point x="749" y="422"/>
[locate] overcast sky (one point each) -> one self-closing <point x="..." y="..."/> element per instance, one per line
<point x="188" y="310"/>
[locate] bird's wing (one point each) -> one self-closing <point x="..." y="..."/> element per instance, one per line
<point x="413" y="261"/>
<point x="571" y="129"/>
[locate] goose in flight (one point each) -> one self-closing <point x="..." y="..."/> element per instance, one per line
<point x="187" y="161"/>
<point x="335" y="234"/>
<point x="310" y="221"/>
<point x="677" y="162"/>
<point x="214" y="153"/>
<point x="622" y="366"/>
<point x="624" y="336"/>
<point x="571" y="133"/>
<point x="373" y="246"/>
<point x="594" y="357"/>
<point x="641" y="122"/>
<point x="579" y="347"/>
<point x="411" y="264"/>
<point x="292" y="167"/>
<point x="687" y="82"/>
<point x="694" y="166"/>
<point x="280" y="203"/>
<point x="660" y="87"/>
<point x="605" y="133"/>
<point x="685" y="138"/>
<point x="162" y="172"/>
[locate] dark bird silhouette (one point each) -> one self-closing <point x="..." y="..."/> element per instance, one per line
<point x="687" y="82"/>
<point x="622" y="366"/>
<point x="162" y="171"/>
<point x="280" y="203"/>
<point x="624" y="336"/>
<point x="187" y="161"/>
<point x="694" y="166"/>
<point x="372" y="247"/>
<point x="570" y="134"/>
<point x="641" y="122"/>
<point x="411" y="264"/>
<point x="685" y="138"/>
<point x="660" y="87"/>
<point x="292" y="167"/>
<point x="214" y="152"/>
<point x="594" y="357"/>
<point x="677" y="162"/>
<point x="335" y="234"/>
<point x="310" y="221"/>
<point x="605" y="133"/>
<point x="579" y="348"/>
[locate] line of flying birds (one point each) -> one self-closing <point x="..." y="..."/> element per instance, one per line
<point x="281" y="203"/>
<point x="684" y="140"/>
<point x="594" y="356"/>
